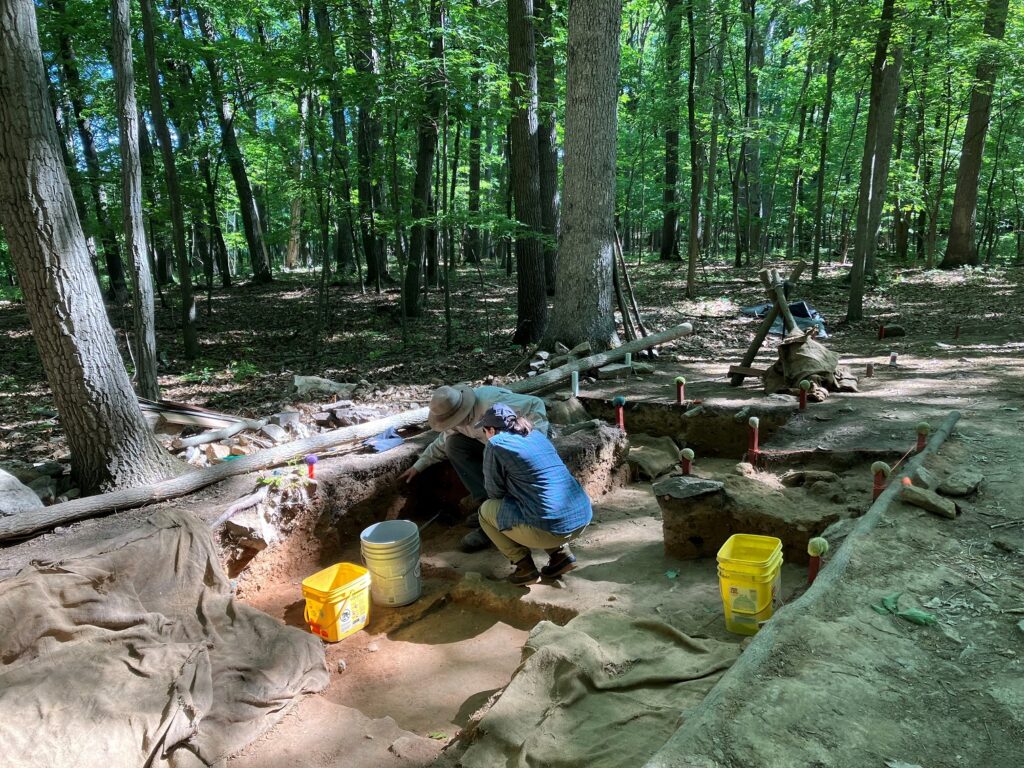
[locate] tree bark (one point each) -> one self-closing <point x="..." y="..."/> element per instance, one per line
<point x="344" y="242"/>
<point x="73" y="80"/>
<point x="710" y="196"/>
<point x="753" y="210"/>
<point x="163" y="135"/>
<point x="826" y="114"/>
<point x="696" y="159"/>
<point x="426" y="151"/>
<point x="291" y="255"/>
<point x="366" y="62"/>
<point x="131" y="186"/>
<point x="473" y="249"/>
<point x="259" y="257"/>
<point x="960" y="249"/>
<point x="583" y="311"/>
<point x="525" y="173"/>
<point x="873" y="170"/>
<point x="111" y="445"/>
<point x="547" y="94"/>
<point x="669" y="195"/>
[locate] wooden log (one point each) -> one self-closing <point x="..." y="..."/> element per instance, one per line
<point x="629" y="286"/>
<point x="91" y="506"/>
<point x="763" y="328"/>
<point x="627" y="319"/>
<point x="773" y="284"/>
<point x="213" y="435"/>
<point x="547" y="379"/>
<point x="743" y="370"/>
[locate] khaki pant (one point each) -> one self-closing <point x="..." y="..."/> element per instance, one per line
<point x="516" y="543"/>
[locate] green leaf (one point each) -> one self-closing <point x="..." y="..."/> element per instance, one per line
<point x="917" y="616"/>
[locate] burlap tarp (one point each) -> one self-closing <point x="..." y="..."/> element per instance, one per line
<point x="604" y="691"/>
<point x="812" y="361"/>
<point x="134" y="653"/>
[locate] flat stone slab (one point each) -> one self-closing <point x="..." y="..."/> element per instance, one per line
<point x="928" y="501"/>
<point x="652" y="456"/>
<point x="962" y="482"/>
<point x="686" y="487"/>
<point x="614" y="371"/>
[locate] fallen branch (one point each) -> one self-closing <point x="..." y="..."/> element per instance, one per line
<point x="92" y="506"/>
<point x="243" y="503"/>
<point x="214" y="435"/>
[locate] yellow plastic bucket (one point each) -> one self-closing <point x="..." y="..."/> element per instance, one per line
<point x="750" y="578"/>
<point x="337" y="601"/>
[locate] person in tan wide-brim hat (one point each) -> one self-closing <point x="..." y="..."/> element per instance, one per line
<point x="454" y="412"/>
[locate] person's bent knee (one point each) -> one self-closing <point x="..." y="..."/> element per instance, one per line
<point x="489" y="511"/>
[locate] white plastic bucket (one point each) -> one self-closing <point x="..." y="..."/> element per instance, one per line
<point x="391" y="552"/>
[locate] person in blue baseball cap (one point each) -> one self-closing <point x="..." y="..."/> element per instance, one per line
<point x="533" y="502"/>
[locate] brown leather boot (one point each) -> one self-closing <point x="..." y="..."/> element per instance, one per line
<point x="525" y="573"/>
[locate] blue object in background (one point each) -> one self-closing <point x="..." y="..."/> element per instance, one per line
<point x="385" y="441"/>
<point x="804" y="314"/>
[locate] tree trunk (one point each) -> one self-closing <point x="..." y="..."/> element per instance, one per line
<point x="163" y="135"/>
<point x="547" y="93"/>
<point x="960" y="248"/>
<point x="69" y="69"/>
<point x="525" y="173"/>
<point x="426" y="150"/>
<point x="344" y="242"/>
<point x="670" y="205"/>
<point x="753" y="210"/>
<point x="710" y="196"/>
<point x="111" y="445"/>
<point x="131" y="185"/>
<point x="875" y="163"/>
<point x="583" y="311"/>
<point x="473" y="250"/>
<point x="901" y="218"/>
<point x="259" y="257"/>
<point x="793" y="219"/>
<point x="365" y="62"/>
<point x="696" y="158"/>
<point x="826" y="113"/>
<point x="291" y="255"/>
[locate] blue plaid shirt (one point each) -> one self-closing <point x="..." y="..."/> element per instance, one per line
<point x="534" y="484"/>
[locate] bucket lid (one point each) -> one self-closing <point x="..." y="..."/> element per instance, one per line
<point x="389" y="532"/>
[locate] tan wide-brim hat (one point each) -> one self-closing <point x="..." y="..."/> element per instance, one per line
<point x="449" y="407"/>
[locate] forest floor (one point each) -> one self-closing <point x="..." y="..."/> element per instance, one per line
<point x="859" y="690"/>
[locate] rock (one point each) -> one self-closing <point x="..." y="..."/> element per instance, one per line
<point x="275" y="432"/>
<point x="744" y="469"/>
<point x="24" y="473"/>
<point x="614" y="371"/>
<point x="415" y="749"/>
<point x="287" y="419"/>
<point x="652" y="456"/>
<point x="239" y="450"/>
<point x="72" y="493"/>
<point x="51" y="468"/>
<point x="922" y="478"/>
<point x="342" y="665"/>
<point x="15" y="497"/>
<point x="826" y="490"/>
<point x="559" y="361"/>
<point x="928" y="501"/>
<point x="797" y="477"/>
<point x="542" y="355"/>
<point x="216" y="452"/>
<point x="323" y="419"/>
<point x="45" y="488"/>
<point x="685" y="487"/>
<point x="594" y="453"/>
<point x="304" y="385"/>
<point x="566" y="412"/>
<point x="561" y="349"/>
<point x="892" y="331"/>
<point x="582" y="350"/>
<point x="643" y="368"/>
<point x="248" y="529"/>
<point x="963" y="482"/>
<point x="538" y="365"/>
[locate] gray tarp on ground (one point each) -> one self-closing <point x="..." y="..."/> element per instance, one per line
<point x="606" y="690"/>
<point x="135" y="653"/>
